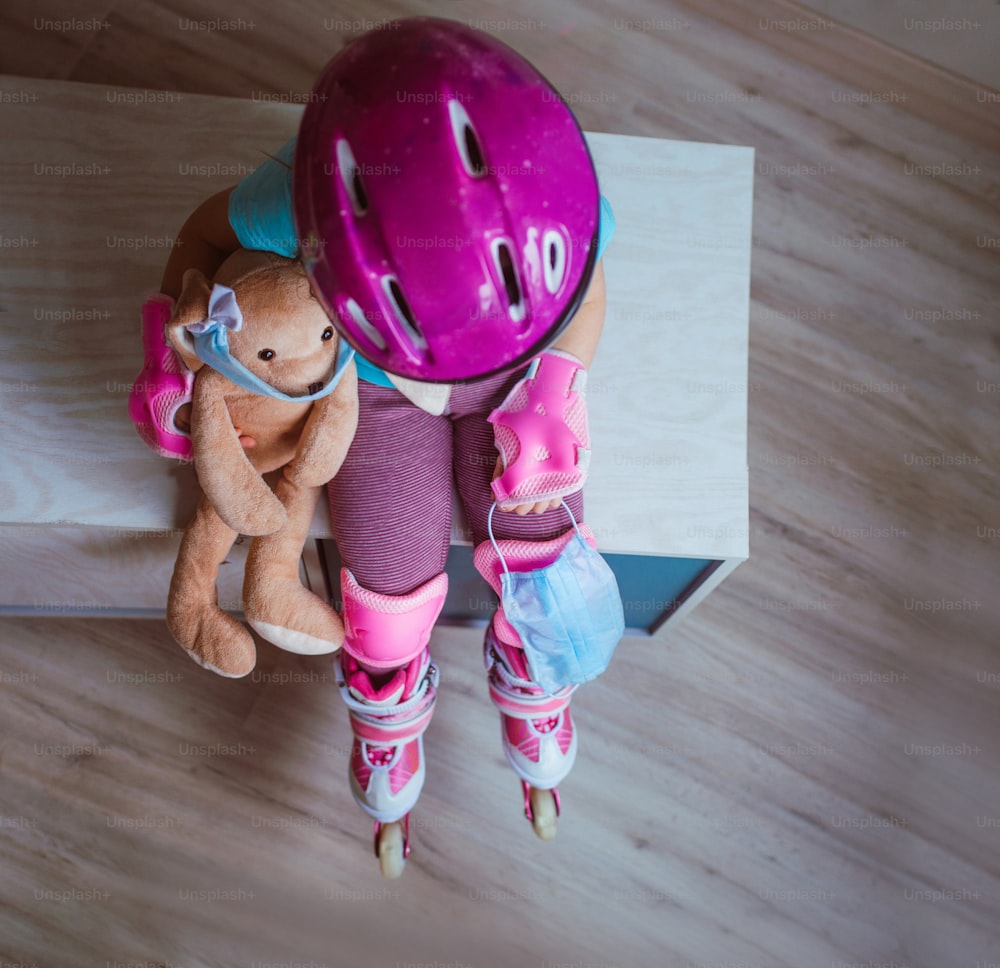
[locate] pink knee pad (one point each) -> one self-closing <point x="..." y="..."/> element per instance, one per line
<point x="387" y="631"/>
<point x="163" y="387"/>
<point x="522" y="555"/>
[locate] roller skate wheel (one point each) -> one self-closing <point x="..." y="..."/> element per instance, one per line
<point x="544" y="812"/>
<point x="391" y="849"/>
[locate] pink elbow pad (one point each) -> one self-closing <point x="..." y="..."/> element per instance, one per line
<point x="164" y="385"/>
<point x="541" y="432"/>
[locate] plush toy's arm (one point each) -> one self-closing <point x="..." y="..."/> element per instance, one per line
<point x="235" y="488"/>
<point x="328" y="434"/>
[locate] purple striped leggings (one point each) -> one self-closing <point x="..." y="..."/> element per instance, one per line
<point x="391" y="501"/>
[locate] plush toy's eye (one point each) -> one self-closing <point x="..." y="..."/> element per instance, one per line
<point x="328" y="334"/>
<point x="266" y="354"/>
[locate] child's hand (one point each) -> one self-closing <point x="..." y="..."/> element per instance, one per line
<point x="539" y="507"/>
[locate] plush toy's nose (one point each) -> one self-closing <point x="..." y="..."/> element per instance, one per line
<point x="315" y="387"/>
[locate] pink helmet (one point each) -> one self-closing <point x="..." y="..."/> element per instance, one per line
<point x="446" y="202"/>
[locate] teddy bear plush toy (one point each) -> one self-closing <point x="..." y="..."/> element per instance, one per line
<point x="265" y="356"/>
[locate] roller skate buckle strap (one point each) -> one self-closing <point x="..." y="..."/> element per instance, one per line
<point x="541" y="432"/>
<point x="163" y="387"/>
<point x="392" y="724"/>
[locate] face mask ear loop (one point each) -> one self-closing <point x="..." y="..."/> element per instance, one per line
<point x="576" y="527"/>
<point x="496" y="547"/>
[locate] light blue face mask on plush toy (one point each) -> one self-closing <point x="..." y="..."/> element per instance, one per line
<point x="568" y="614"/>
<point x="211" y="344"/>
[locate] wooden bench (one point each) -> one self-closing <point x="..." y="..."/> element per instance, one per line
<point x="97" y="181"/>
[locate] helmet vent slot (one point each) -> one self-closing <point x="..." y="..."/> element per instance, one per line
<point x="350" y="175"/>
<point x="474" y="151"/>
<point x="466" y="140"/>
<point x="554" y="256"/>
<point x="404" y="315"/>
<point x="508" y="273"/>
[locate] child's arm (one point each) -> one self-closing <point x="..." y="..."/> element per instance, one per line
<point x="582" y="335"/>
<point x="204" y="242"/>
<point x="579" y="338"/>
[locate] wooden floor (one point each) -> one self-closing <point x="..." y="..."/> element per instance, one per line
<point x="805" y="774"/>
<point x="958" y="34"/>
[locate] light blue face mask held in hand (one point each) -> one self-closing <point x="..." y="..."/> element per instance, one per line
<point x="568" y="614"/>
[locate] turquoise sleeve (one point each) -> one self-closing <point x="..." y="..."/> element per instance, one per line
<point x="370" y="373"/>
<point x="607" y="226"/>
<point x="260" y="206"/>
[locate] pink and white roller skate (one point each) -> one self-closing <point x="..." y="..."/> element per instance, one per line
<point x="536" y="729"/>
<point x="389" y="714"/>
<point x="389" y="685"/>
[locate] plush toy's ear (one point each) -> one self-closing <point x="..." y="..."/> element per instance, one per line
<point x="191" y="307"/>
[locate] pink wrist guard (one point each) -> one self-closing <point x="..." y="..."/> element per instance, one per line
<point x="541" y="432"/>
<point x="164" y="385"/>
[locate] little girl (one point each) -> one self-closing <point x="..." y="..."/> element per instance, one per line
<point x="443" y="200"/>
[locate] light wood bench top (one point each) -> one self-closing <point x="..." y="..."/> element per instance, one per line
<point x="96" y="182"/>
